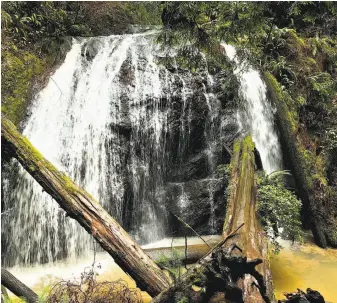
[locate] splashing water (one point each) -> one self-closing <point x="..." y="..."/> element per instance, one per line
<point x="256" y="117"/>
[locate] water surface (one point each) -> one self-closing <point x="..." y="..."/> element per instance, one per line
<point x="305" y="266"/>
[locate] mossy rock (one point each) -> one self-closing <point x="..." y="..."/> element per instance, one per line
<point x="19" y="68"/>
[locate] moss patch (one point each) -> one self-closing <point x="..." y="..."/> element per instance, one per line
<point x="19" y="68"/>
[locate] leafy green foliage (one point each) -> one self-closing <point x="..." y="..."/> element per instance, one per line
<point x="279" y="209"/>
<point x="205" y="24"/>
<point x="29" y="22"/>
<point x="331" y="138"/>
<point x="143" y="12"/>
<point x="223" y="170"/>
<point x="183" y="299"/>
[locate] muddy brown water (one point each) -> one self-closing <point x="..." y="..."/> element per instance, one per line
<point x="297" y="266"/>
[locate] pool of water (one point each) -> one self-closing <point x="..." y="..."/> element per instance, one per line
<point x="303" y="266"/>
<point x="39" y="277"/>
<point x="297" y="266"/>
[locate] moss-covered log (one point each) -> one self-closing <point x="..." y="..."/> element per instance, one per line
<point x="241" y="208"/>
<point x="82" y="207"/>
<point x="321" y="222"/>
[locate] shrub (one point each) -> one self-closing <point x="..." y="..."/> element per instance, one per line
<point x="279" y="209"/>
<point x="90" y="290"/>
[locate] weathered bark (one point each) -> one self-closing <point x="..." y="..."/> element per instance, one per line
<point x="251" y="285"/>
<point x="241" y="208"/>
<point x="82" y="207"/>
<point x="217" y="273"/>
<point x="17" y="287"/>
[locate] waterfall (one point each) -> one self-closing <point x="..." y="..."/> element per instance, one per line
<point x="257" y="115"/>
<point x="122" y="126"/>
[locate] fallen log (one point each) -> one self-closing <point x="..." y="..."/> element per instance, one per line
<point x="17" y="287"/>
<point x="241" y="207"/>
<point x="82" y="207"/>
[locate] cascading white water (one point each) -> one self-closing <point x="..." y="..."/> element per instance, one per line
<point x="256" y="117"/>
<point x="214" y="106"/>
<point x="127" y="129"/>
<point x="107" y="118"/>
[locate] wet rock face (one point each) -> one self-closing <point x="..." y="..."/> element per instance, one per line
<point x="171" y="167"/>
<point x="145" y="140"/>
<point x="91" y="48"/>
<point x="200" y="203"/>
<point x="194" y="168"/>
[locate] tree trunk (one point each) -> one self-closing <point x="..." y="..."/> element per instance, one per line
<point x="218" y="274"/>
<point x="17" y="287"/>
<point x="82" y="207"/>
<point x="254" y="285"/>
<point x="241" y="208"/>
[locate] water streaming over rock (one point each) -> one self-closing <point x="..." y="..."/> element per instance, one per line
<point x="256" y="116"/>
<point x="133" y="133"/>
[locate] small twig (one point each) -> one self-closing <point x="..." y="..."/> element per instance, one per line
<point x="185" y="250"/>
<point x="222" y="242"/>
<point x="231" y="235"/>
<point x="228" y="150"/>
<point x="172" y="246"/>
<point x="56" y="85"/>
<point x="93" y="264"/>
<point x="188" y="226"/>
<point x="232" y="247"/>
